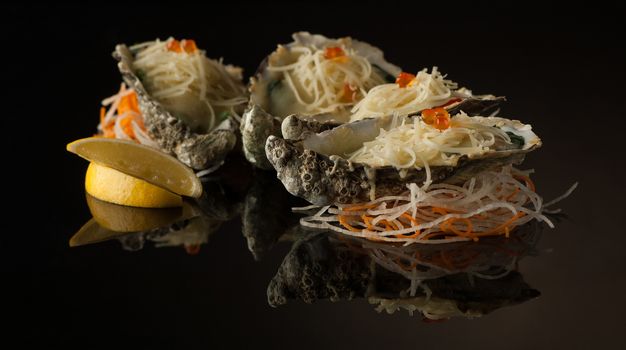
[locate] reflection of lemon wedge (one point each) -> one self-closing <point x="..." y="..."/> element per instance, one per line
<point x="140" y="161"/>
<point x="116" y="187"/>
<point x="131" y="219"/>
<point x="91" y="232"/>
<point x="112" y="221"/>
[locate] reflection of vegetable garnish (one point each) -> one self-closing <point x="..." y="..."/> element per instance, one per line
<point x="404" y="79"/>
<point x="436" y="117"/>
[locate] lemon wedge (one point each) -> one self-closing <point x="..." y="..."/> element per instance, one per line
<point x="114" y="186"/>
<point x="142" y="162"/>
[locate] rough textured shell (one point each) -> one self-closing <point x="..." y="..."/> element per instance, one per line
<point x="322" y="179"/>
<point x="259" y="121"/>
<point x="199" y="151"/>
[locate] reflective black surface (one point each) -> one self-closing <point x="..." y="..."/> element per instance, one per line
<point x="562" y="70"/>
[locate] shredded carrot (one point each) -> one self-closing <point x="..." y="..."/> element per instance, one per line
<point x="527" y="180"/>
<point x="449" y="228"/>
<point x="502" y="228"/>
<point x="128" y="112"/>
<point x="358" y="207"/>
<point x="342" y="220"/>
<point x="368" y="222"/>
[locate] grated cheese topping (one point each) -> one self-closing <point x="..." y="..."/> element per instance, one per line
<point x="415" y="144"/>
<point x="323" y="85"/>
<point x="197" y="89"/>
<point x="426" y="90"/>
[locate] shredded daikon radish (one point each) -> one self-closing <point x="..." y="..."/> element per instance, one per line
<point x="323" y="84"/>
<point x="426" y="90"/>
<point x="415" y="144"/>
<point x="189" y="84"/>
<point x="492" y="203"/>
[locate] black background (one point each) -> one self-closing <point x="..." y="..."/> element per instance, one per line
<point x="560" y="66"/>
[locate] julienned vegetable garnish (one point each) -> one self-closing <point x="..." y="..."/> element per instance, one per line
<point x="491" y="204"/>
<point x="123" y="119"/>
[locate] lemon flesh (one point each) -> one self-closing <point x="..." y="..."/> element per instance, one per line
<point x="114" y="186"/>
<point x="143" y="162"/>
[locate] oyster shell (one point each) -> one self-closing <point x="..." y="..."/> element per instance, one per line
<point x="264" y="114"/>
<point x="297" y="127"/>
<point x="173" y="135"/>
<point x="314" y="168"/>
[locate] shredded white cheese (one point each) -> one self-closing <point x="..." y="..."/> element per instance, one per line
<point x="415" y="144"/>
<point x="323" y="84"/>
<point x="188" y="84"/>
<point x="427" y="90"/>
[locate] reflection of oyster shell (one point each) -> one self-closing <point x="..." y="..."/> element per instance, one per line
<point x="314" y="270"/>
<point x="264" y="114"/>
<point x="311" y="169"/>
<point x="322" y="267"/>
<point x="199" y="151"/>
<point x="266" y="213"/>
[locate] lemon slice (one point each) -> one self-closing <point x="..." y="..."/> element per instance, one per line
<point x="116" y="187"/>
<point x="140" y="161"/>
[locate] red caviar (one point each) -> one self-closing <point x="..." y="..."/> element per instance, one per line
<point x="188" y="45"/>
<point x="335" y="53"/>
<point x="439" y="118"/>
<point x="404" y="79"/>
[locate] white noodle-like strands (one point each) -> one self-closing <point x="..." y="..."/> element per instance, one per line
<point x="490" y="204"/>
<point x="320" y="84"/>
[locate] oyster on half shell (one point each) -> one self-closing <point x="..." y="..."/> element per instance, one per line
<point x="198" y="145"/>
<point x="297" y="127"/>
<point x="271" y="99"/>
<point x="317" y="168"/>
